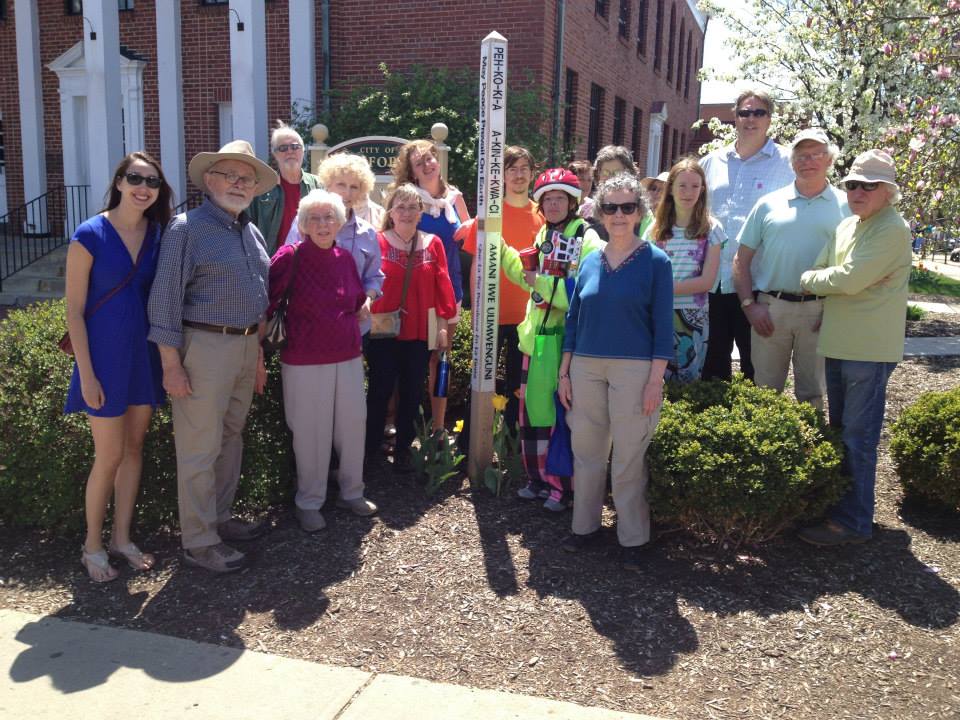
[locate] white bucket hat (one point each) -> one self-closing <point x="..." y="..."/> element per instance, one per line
<point x="873" y="166"/>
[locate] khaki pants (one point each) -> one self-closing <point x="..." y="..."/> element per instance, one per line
<point x="794" y="336"/>
<point x="208" y="429"/>
<point x="325" y="406"/>
<point x="608" y="407"/>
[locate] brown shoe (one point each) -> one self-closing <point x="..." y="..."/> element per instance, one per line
<point x="831" y="534"/>
<point x="219" y="558"/>
<point x="237" y="530"/>
<point x="358" y="506"/>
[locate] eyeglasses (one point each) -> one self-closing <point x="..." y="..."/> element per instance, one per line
<point x="288" y="146"/>
<point x="627" y="208"/>
<point x="153" y="182"/>
<point x="322" y="220"/>
<point x="758" y="112"/>
<point x="807" y="157"/>
<point x="857" y="184"/>
<point x="232" y="178"/>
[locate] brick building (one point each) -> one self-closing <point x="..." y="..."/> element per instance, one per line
<point x="186" y="75"/>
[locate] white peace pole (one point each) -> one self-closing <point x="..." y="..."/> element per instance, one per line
<point x="486" y="300"/>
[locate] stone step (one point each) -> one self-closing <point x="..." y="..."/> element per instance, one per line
<point x="27" y="283"/>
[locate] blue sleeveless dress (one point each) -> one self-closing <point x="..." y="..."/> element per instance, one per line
<point x="444" y="229"/>
<point x="125" y="363"/>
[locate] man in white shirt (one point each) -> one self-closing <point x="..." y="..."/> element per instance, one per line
<point x="738" y="175"/>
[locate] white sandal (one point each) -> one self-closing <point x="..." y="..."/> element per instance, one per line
<point x="136" y="559"/>
<point x="98" y="565"/>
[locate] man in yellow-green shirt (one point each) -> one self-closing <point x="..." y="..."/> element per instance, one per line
<point x="863" y="274"/>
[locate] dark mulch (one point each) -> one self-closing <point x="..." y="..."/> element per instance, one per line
<point x="475" y="590"/>
<point x="935" y="325"/>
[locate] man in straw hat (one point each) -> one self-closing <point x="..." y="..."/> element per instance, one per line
<point x="206" y="312"/>
<point x="863" y="274"/>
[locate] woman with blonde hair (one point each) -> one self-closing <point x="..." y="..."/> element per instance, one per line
<point x="444" y="210"/>
<point x="350" y="177"/>
<point x="116" y="381"/>
<point x="416" y="286"/>
<point x="684" y="229"/>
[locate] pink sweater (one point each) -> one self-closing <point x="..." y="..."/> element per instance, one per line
<point x="322" y="325"/>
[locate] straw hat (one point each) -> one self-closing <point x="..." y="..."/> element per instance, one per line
<point x="241" y="150"/>
<point x="662" y="177"/>
<point x="873" y="166"/>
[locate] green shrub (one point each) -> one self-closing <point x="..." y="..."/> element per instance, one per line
<point x="925" y="445"/>
<point x="736" y="463"/>
<point x="914" y="312"/>
<point x="45" y="456"/>
<point x="461" y="365"/>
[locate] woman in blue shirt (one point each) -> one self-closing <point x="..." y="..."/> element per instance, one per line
<point x="618" y="340"/>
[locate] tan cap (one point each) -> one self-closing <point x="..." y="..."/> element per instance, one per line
<point x="662" y="177"/>
<point x="241" y="150"/>
<point x="873" y="166"/>
<point x="814" y="133"/>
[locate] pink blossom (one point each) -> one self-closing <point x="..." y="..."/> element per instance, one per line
<point x="902" y="106"/>
<point x="934" y="20"/>
<point x="951" y="119"/>
<point x="954" y="4"/>
<point x="918" y="56"/>
<point x="921" y="184"/>
<point x="944" y="72"/>
<point x="888" y="48"/>
<point x="938" y="195"/>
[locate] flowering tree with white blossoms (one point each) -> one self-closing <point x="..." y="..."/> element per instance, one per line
<point x="872" y="73"/>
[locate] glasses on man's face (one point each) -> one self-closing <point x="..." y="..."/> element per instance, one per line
<point x="746" y="112"/>
<point x="810" y="157"/>
<point x="858" y="184"/>
<point x="232" y="178"/>
<point x="287" y="147"/>
<point x="627" y="208"/>
<point x="152" y="181"/>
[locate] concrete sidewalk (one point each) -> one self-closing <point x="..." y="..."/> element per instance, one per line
<point x="60" y="669"/>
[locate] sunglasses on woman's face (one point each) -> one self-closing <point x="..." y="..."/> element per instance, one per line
<point x="153" y="182"/>
<point x="745" y="113"/>
<point x="857" y="184"/>
<point x="627" y="208"/>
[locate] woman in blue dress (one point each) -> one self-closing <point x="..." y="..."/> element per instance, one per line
<point x="116" y="379"/>
<point x="444" y="210"/>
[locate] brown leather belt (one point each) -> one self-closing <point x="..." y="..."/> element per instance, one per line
<point x="221" y="329"/>
<point x="790" y="297"/>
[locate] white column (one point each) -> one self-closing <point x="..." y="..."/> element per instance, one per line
<point x="31" y="100"/>
<point x="303" y="55"/>
<point x="169" y="84"/>
<point x="657" y="119"/>
<point x="248" y="74"/>
<point x="104" y="102"/>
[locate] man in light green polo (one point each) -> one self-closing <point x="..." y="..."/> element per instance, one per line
<point x="782" y="237"/>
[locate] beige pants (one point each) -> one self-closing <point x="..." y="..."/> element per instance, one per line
<point x="208" y="429"/>
<point x="793" y="336"/>
<point x="608" y="407"/>
<point x="325" y="406"/>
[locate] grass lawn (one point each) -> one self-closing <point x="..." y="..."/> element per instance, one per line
<point x="931" y="283"/>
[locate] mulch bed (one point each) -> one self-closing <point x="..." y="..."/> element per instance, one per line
<point x="475" y="590"/>
<point x="935" y="325"/>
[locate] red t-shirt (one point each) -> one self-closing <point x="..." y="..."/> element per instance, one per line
<point x="520" y="227"/>
<point x="291" y="201"/>
<point x="429" y="285"/>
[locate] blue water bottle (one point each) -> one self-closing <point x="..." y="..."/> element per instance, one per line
<point x="443" y="376"/>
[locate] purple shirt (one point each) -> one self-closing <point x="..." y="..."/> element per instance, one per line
<point x="322" y="325"/>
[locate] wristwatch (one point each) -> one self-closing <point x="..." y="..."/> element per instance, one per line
<point x="746" y="302"/>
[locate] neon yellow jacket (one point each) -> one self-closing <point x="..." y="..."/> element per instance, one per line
<point x="513" y="269"/>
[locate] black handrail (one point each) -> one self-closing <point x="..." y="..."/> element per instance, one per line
<point x="190" y="203"/>
<point x="40" y="226"/>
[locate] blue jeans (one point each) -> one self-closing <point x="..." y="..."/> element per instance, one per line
<point x="857" y="393"/>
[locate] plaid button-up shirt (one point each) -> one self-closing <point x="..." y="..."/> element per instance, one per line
<point x="213" y="269"/>
<point x="733" y="188"/>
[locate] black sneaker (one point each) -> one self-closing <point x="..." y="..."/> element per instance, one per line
<point x="576" y="543"/>
<point x="403" y="463"/>
<point x="634" y="558"/>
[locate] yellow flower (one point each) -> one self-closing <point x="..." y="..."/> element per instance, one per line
<point x="499" y="402"/>
<point x="458" y="426"/>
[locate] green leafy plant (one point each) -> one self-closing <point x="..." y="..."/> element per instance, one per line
<point x="507" y="465"/>
<point x="434" y="456"/>
<point x="925" y="445"/>
<point x="914" y="312"/>
<point x="45" y="456"/>
<point x="734" y="463"/>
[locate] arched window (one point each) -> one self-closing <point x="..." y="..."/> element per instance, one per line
<point x="672" y="42"/>
<point x="658" y="37"/>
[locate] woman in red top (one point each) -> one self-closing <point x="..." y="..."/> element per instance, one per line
<point x="321" y="367"/>
<point x="405" y="357"/>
